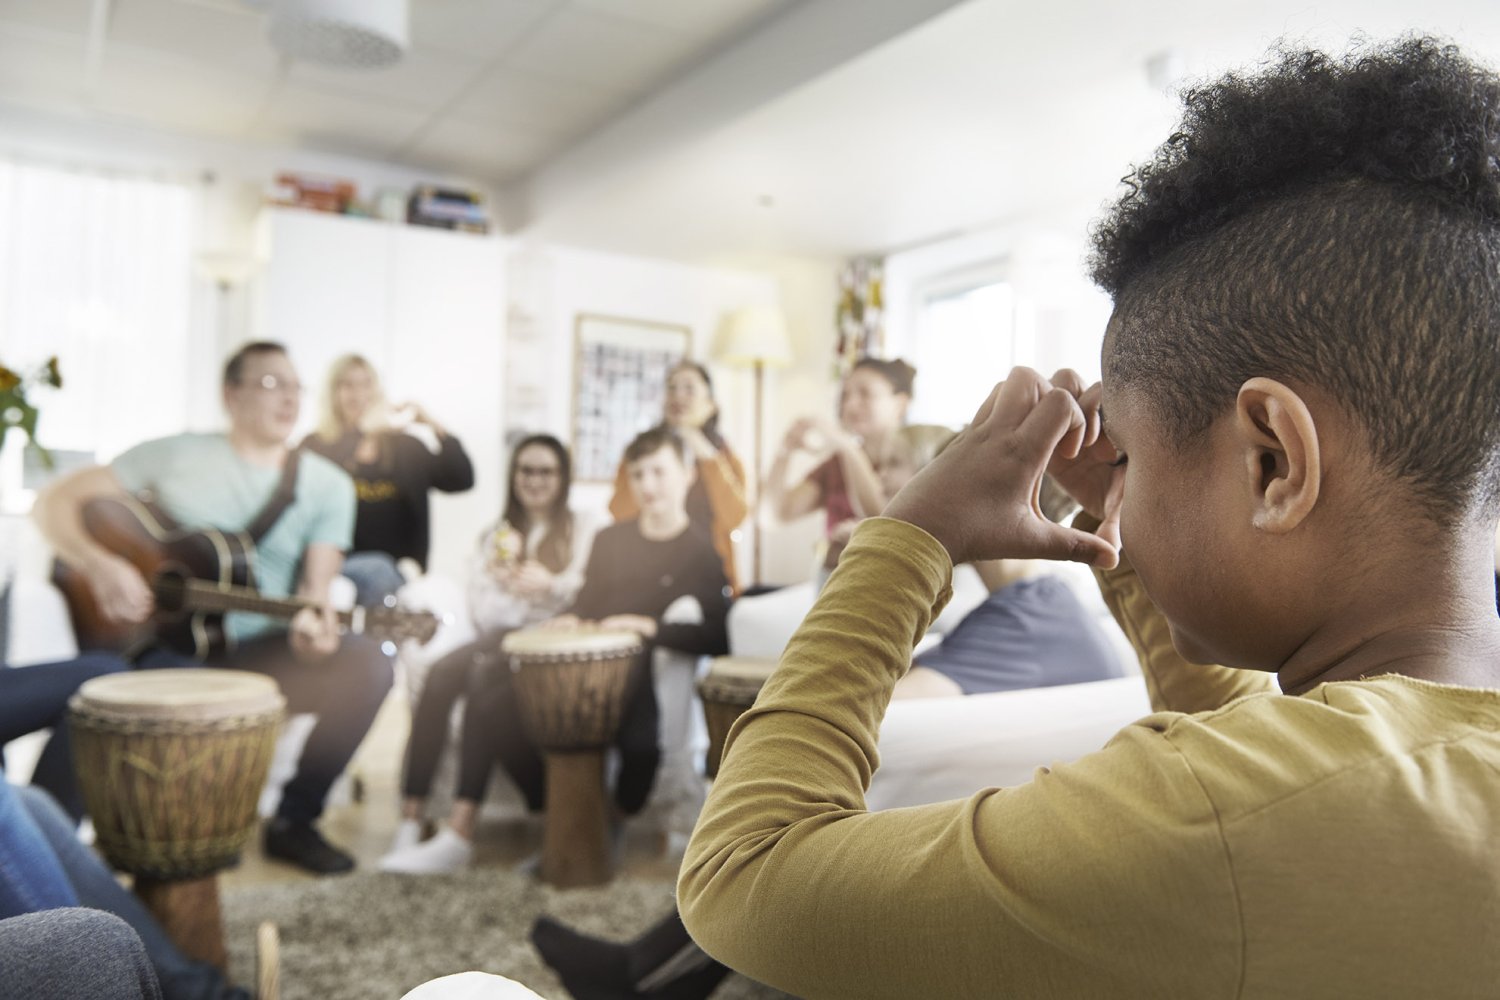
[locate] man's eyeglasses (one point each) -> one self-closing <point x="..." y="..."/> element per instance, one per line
<point x="538" y="471"/>
<point x="272" y="383"/>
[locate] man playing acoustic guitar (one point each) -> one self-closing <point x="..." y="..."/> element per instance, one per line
<point x="303" y="521"/>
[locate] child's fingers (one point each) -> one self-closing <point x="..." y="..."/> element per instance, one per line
<point x="1054" y="424"/>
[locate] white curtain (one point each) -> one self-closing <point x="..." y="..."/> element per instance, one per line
<point x="97" y="270"/>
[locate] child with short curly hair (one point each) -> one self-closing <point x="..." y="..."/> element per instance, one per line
<point x="1302" y="456"/>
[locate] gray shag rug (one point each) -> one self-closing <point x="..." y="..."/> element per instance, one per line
<point x="371" y="935"/>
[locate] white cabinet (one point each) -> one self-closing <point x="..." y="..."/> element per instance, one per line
<point x="427" y="307"/>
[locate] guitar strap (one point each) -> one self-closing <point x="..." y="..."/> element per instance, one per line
<point x="286" y="492"/>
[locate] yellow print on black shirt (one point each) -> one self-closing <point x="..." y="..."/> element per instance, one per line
<point x="374" y="490"/>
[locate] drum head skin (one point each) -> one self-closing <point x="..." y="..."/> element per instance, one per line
<point x="584" y="643"/>
<point x="187" y="693"/>
<point x="754" y="669"/>
<point x="472" y="986"/>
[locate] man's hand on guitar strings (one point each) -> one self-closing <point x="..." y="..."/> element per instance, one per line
<point x="122" y="593"/>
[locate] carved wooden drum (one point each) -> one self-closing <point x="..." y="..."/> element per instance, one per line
<point x="728" y="689"/>
<point x="572" y="688"/>
<point x="171" y="764"/>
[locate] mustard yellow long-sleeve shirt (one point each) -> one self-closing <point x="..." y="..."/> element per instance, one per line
<point x="1337" y="844"/>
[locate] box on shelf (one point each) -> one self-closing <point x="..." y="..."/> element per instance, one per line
<point x="322" y="194"/>
<point x="447" y="208"/>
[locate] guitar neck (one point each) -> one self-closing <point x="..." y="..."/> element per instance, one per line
<point x="204" y="596"/>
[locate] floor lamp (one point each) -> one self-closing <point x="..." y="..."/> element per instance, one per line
<point x="754" y="338"/>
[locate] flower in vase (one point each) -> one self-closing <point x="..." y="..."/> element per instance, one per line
<point x="18" y="411"/>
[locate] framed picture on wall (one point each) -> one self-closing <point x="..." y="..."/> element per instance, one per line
<point x="619" y="385"/>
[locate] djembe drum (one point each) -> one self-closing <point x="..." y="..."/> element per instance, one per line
<point x="571" y="689"/>
<point x="730" y="686"/>
<point x="171" y="764"/>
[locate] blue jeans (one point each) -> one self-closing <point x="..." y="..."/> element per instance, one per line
<point x="31" y="877"/>
<point x="85" y="880"/>
<point x="375" y="577"/>
<point x="36" y="697"/>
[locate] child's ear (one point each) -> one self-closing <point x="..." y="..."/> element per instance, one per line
<point x="1283" y="462"/>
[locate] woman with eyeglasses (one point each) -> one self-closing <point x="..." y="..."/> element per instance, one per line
<point x="716" y="501"/>
<point x="393" y="473"/>
<point x="528" y="568"/>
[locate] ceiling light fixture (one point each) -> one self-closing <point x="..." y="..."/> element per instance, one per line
<point x="346" y="34"/>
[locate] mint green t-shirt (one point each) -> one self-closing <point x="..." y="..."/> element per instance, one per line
<point x="201" y="482"/>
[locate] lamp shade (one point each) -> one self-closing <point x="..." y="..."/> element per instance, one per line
<point x="347" y="34"/>
<point x="755" y="335"/>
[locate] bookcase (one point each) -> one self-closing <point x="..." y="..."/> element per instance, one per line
<point x="426" y="307"/>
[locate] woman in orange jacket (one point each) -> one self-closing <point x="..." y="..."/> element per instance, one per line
<point x="716" y="502"/>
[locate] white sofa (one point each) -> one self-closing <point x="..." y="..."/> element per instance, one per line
<point x="935" y="749"/>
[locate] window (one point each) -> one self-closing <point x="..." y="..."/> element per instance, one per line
<point x="967" y="338"/>
<point x="96" y="270"/>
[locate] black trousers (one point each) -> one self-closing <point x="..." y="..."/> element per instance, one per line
<point x="480" y="674"/>
<point x="36" y="697"/>
<point x="637" y="740"/>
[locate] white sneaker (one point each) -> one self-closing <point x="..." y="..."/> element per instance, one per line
<point x="445" y="852"/>
<point x="408" y="834"/>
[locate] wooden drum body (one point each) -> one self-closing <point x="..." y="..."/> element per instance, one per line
<point x="171" y="764"/>
<point x="572" y="688"/>
<point x="728" y="689"/>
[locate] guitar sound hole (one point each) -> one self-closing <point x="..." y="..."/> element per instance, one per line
<point x="171" y="590"/>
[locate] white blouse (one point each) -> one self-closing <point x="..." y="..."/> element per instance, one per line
<point x="493" y="607"/>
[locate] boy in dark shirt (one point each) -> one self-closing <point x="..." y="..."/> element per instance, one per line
<point x="657" y="575"/>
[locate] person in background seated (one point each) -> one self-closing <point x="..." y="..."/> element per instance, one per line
<point x="393" y="473"/>
<point x="34" y="698"/>
<point x="528" y="568"/>
<point x="657" y="575"/>
<point x="1030" y="632"/>
<point x="1292" y="437"/>
<point x="851" y="482"/>
<point x="227" y="481"/>
<point x="44" y="868"/>
<point x="716" y="502"/>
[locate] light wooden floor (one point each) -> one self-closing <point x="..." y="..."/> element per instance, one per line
<point x="365" y="828"/>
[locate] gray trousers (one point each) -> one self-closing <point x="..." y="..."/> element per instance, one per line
<point x="73" y="954"/>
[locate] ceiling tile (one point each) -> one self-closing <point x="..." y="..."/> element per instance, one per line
<point x="336" y="123"/>
<point x="59" y="15"/>
<point x="511" y="97"/>
<point x="41" y="68"/>
<point x="578" y="47"/>
<point x="479" y="151"/>
<point x="484" y="28"/>
<point x="220" y="35"/>
<point x="167" y="91"/>
<point x="424" y="78"/>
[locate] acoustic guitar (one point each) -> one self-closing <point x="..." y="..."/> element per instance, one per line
<point x="196" y="576"/>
